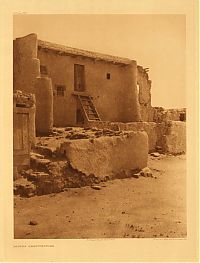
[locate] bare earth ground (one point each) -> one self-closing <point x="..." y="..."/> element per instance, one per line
<point x="130" y="208"/>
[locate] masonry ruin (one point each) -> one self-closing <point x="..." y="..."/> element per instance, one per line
<point x="91" y="117"/>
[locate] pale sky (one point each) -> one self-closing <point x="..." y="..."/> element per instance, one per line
<point x="154" y="41"/>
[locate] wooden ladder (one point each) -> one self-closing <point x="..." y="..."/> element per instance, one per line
<point x="88" y="108"/>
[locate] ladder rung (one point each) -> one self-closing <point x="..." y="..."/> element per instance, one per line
<point x="88" y="107"/>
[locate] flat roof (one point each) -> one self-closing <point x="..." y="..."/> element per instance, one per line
<point x="64" y="50"/>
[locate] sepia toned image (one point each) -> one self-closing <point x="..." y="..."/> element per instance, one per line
<point x="99" y="126"/>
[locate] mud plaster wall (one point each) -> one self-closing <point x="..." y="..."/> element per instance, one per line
<point x="144" y="94"/>
<point x="44" y="102"/>
<point x="149" y="127"/>
<point x="114" y="98"/>
<point x="170" y="136"/>
<point x="160" y="114"/>
<point x="174" y="141"/>
<point x="26" y="78"/>
<point x="109" y="153"/>
<point x="24" y="137"/>
<point x="26" y="66"/>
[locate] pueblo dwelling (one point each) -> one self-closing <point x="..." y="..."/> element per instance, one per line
<point x="74" y="86"/>
<point x="59" y="86"/>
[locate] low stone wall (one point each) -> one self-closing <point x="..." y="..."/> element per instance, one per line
<point x="108" y="156"/>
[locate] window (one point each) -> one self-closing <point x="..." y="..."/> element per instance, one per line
<point x="60" y="90"/>
<point x="43" y="70"/>
<point x="108" y="75"/>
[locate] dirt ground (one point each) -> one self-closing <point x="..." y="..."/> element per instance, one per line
<point x="123" y="208"/>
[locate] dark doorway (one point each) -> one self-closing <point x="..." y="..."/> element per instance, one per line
<point x="79" y="77"/>
<point x="79" y="117"/>
<point x="182" y="116"/>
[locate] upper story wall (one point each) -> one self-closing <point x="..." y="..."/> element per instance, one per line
<point x="112" y="96"/>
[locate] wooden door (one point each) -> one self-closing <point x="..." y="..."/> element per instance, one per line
<point x="79" y="77"/>
<point x="21" y="143"/>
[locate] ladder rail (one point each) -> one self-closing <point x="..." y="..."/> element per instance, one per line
<point x="83" y="108"/>
<point x="89" y="109"/>
<point x="94" y="107"/>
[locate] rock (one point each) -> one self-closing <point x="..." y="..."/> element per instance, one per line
<point x="33" y="223"/>
<point x="24" y="188"/>
<point x="58" y="130"/>
<point x="41" y="164"/>
<point x="36" y="155"/>
<point x="94" y="129"/>
<point x="146" y="172"/>
<point x="47" y="151"/>
<point x="98" y="133"/>
<point x="96" y="187"/>
<point x="68" y="129"/>
<point x="155" y="154"/>
<point x="41" y="176"/>
<point x="159" y="149"/>
<point x="136" y="175"/>
<point x="91" y="140"/>
<point x="79" y="136"/>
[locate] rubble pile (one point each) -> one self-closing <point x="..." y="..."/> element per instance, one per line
<point x="51" y="171"/>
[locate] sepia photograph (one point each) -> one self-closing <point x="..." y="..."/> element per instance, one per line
<point x="99" y="126"/>
<point x="99" y="131"/>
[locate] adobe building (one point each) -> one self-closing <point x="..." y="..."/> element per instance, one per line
<point x="74" y="86"/>
<point x="58" y="86"/>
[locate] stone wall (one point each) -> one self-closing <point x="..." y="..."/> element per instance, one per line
<point x="107" y="156"/>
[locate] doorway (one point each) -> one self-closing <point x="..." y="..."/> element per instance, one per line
<point x="79" y="77"/>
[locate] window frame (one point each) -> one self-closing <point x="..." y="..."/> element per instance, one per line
<point x="60" y="90"/>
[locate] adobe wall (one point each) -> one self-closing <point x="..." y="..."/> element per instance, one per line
<point x="160" y="114"/>
<point x="149" y="127"/>
<point x="174" y="140"/>
<point x="170" y="135"/>
<point x="44" y="106"/>
<point x="26" y="78"/>
<point x="23" y="130"/>
<point x="144" y="95"/>
<point x="26" y="66"/>
<point x="114" y="98"/>
<point x="107" y="156"/>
